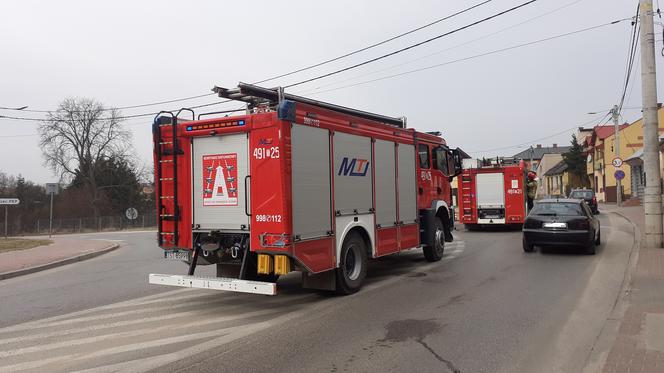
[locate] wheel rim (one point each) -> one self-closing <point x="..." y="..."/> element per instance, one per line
<point x="440" y="241"/>
<point x="352" y="265"/>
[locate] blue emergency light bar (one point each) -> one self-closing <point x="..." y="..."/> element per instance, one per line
<point x="208" y="126"/>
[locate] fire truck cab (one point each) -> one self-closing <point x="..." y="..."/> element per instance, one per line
<point x="296" y="184"/>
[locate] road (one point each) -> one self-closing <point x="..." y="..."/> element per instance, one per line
<point x="486" y="307"/>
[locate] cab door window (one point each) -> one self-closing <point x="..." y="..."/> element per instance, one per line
<point x="423" y="153"/>
<point x="441" y="160"/>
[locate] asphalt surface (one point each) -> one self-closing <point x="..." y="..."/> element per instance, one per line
<point x="486" y="307"/>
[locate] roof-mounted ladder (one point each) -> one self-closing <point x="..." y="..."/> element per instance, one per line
<point x="256" y="96"/>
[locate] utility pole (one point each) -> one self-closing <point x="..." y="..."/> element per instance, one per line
<point x="653" y="190"/>
<point x="531" y="158"/>
<point x="616" y="145"/>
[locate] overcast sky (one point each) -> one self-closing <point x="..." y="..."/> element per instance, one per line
<point x="126" y="53"/>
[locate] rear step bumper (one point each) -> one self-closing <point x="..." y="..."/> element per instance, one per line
<point x="215" y="283"/>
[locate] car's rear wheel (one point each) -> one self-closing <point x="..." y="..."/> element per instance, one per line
<point x="598" y="239"/>
<point x="527" y="246"/>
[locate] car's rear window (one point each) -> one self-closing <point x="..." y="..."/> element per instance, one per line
<point x="557" y="209"/>
<point x="581" y="194"/>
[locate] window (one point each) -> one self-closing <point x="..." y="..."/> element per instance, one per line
<point x="423" y="151"/>
<point x="443" y="161"/>
<point x="558" y="209"/>
<point x="581" y="194"/>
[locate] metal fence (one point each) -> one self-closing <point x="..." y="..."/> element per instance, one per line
<point x="83" y="225"/>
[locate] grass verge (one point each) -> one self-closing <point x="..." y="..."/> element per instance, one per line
<point x="12" y="244"/>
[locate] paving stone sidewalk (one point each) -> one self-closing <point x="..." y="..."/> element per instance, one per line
<point x="63" y="250"/>
<point x="639" y="345"/>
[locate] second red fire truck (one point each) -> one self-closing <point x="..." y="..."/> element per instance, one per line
<point x="296" y="184"/>
<point x="492" y="192"/>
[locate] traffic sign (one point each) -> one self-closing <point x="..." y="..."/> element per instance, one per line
<point x="52" y="188"/>
<point x="131" y="213"/>
<point x="9" y="201"/>
<point x="619" y="174"/>
<point x="617" y="162"/>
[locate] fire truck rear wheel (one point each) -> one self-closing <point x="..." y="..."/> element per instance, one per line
<point x="352" y="265"/>
<point x="435" y="253"/>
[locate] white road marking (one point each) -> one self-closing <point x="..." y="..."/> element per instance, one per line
<point x="109" y="333"/>
<point x="133" y="333"/>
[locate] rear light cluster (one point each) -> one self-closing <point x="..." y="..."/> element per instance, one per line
<point x="275" y="240"/>
<point x="579" y="224"/>
<point x="532" y="224"/>
<point x="594" y="200"/>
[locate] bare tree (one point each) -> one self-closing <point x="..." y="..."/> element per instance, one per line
<point x="78" y="136"/>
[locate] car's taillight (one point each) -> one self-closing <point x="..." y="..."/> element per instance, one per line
<point x="580" y="224"/>
<point x="532" y="224"/>
<point x="594" y="200"/>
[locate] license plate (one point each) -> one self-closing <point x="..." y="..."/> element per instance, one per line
<point x="555" y="225"/>
<point x="177" y="255"/>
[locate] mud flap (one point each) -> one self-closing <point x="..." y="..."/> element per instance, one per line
<point x="319" y="281"/>
<point x="428" y="227"/>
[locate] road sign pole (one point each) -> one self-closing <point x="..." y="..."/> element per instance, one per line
<point x="6" y="215"/>
<point x="50" y="218"/>
<point x="616" y="144"/>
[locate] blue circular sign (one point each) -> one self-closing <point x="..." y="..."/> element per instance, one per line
<point x="620" y="174"/>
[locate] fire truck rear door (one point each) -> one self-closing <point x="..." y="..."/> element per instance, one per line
<point x="220" y="168"/>
<point x="490" y="190"/>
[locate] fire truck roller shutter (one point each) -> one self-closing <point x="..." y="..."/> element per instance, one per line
<point x="386" y="190"/>
<point x="407" y="181"/>
<point x="353" y="194"/>
<point x="310" y="147"/>
<point x="352" y="174"/>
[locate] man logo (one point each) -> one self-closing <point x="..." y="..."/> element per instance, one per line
<point x="354" y="167"/>
<point x="265" y="141"/>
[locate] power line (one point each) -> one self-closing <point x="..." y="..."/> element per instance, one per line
<point x="411" y="46"/>
<point x="454" y="46"/>
<point x="376" y="44"/>
<point x="117" y="108"/>
<point x="594" y="120"/>
<point x="476" y="56"/>
<point x="636" y="26"/>
<point x="282" y="75"/>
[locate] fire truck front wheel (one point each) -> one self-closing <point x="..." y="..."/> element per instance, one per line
<point x="435" y="253"/>
<point x="352" y="268"/>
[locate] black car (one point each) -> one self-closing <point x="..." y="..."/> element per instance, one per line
<point x="587" y="195"/>
<point x="561" y="222"/>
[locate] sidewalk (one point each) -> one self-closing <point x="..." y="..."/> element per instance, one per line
<point x="639" y="345"/>
<point x="63" y="250"/>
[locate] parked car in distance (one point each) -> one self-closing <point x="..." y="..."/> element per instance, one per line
<point x="561" y="222"/>
<point x="587" y="195"/>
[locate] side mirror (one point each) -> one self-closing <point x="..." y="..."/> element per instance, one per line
<point x="458" y="166"/>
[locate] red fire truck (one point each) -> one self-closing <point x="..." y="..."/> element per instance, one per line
<point x="296" y="185"/>
<point x="493" y="193"/>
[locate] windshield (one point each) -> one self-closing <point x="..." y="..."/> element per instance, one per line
<point x="557" y="209"/>
<point x="581" y="194"/>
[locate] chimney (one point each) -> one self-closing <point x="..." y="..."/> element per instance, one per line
<point x="539" y="146"/>
<point x="555" y="145"/>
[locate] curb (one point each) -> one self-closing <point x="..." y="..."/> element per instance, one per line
<point x="59" y="263"/>
<point x="609" y="332"/>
